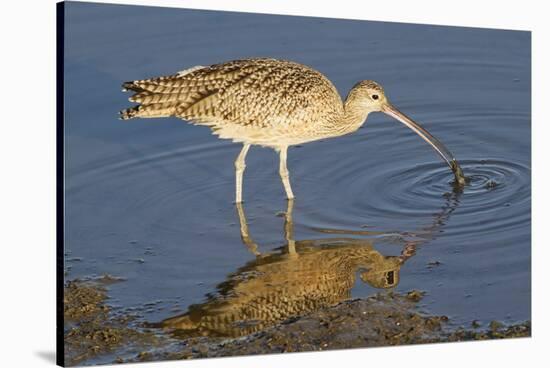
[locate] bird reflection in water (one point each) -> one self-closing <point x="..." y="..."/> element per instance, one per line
<point x="296" y="279"/>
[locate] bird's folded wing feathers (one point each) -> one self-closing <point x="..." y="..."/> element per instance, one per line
<point x="252" y="91"/>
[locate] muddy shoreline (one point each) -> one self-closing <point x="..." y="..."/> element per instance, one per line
<point x="91" y="328"/>
<point x="93" y="331"/>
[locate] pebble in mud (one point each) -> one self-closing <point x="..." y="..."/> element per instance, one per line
<point x="415" y="295"/>
<point x="495" y="325"/>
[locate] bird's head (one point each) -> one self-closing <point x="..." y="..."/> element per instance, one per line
<point x="383" y="274"/>
<point x="368" y="96"/>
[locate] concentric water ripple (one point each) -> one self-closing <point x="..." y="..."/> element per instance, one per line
<point x="369" y="190"/>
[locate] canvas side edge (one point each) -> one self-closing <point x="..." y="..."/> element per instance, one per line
<point x="60" y="166"/>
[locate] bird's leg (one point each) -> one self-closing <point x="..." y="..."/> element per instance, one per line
<point x="283" y="171"/>
<point x="239" y="171"/>
<point x="289" y="228"/>
<point x="247" y="240"/>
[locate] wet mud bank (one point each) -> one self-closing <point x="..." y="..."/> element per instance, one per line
<point x="92" y="329"/>
<point x="95" y="333"/>
<point x="382" y="320"/>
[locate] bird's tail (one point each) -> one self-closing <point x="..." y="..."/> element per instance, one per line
<point x="182" y="322"/>
<point x="152" y="102"/>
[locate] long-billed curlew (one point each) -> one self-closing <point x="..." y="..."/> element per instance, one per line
<point x="267" y="102"/>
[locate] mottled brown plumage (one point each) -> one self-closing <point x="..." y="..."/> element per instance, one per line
<point x="261" y="101"/>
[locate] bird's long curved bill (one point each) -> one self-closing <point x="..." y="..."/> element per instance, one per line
<point x="445" y="154"/>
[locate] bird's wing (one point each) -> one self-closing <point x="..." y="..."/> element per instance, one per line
<point x="251" y="92"/>
<point x="174" y="94"/>
<point x="244" y="92"/>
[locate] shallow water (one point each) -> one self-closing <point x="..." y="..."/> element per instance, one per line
<point x="151" y="200"/>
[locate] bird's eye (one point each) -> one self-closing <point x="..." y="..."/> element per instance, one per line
<point x="375" y="97"/>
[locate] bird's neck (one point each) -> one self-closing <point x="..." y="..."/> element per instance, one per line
<point x="346" y="120"/>
<point x="353" y="116"/>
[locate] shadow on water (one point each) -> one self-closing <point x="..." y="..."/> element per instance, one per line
<point x="298" y="278"/>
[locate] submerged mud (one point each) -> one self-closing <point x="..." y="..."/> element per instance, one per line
<point x="93" y="330"/>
